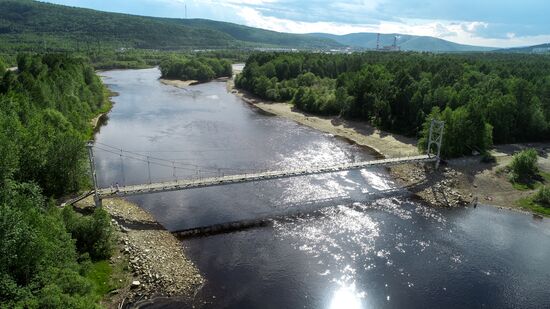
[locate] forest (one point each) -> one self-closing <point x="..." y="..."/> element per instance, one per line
<point x="46" y="252"/>
<point x="484" y="99"/>
<point x="34" y="26"/>
<point x="202" y="69"/>
<point x="139" y="59"/>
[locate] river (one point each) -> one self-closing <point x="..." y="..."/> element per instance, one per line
<point x="347" y="249"/>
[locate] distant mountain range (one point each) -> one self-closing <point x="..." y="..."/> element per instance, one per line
<point x="33" y="25"/>
<point x="403" y="41"/>
<point x="535" y="49"/>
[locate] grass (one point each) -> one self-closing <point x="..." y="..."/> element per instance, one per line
<point x="523" y="186"/>
<point x="533" y="185"/>
<point x="100" y="274"/>
<point x="529" y="204"/>
<point x="108" y="276"/>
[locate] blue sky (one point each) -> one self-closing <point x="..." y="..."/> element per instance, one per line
<point x="499" y="23"/>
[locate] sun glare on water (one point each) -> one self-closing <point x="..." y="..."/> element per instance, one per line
<point x="347" y="298"/>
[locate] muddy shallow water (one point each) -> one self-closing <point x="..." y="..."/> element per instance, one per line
<point x="355" y="251"/>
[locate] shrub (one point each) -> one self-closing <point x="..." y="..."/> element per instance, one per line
<point x="93" y="234"/>
<point x="543" y="196"/>
<point x="523" y="167"/>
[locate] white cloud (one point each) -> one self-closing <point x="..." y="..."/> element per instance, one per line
<point x="360" y="6"/>
<point x="254" y="18"/>
<point x="475" y="26"/>
<point x="348" y="16"/>
<point x="455" y="31"/>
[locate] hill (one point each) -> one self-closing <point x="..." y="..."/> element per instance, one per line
<point x="262" y="36"/>
<point x="406" y="42"/>
<point x="535" y="49"/>
<point x="32" y="25"/>
<point x="27" y="25"/>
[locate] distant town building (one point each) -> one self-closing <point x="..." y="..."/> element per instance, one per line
<point x="541" y="50"/>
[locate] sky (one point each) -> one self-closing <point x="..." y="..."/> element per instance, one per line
<point x="495" y="23"/>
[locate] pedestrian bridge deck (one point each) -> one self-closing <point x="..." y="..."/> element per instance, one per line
<point x="176" y="185"/>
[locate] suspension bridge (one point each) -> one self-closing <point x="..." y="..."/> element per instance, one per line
<point x="220" y="176"/>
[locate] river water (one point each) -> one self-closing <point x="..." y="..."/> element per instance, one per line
<point x="348" y="248"/>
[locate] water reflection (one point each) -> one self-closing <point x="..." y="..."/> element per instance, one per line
<point x="389" y="252"/>
<point x="347" y="298"/>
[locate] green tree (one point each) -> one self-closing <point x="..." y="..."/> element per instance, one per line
<point x="38" y="260"/>
<point x="498" y="98"/>
<point x="202" y="69"/>
<point x="261" y="85"/>
<point x="93" y="234"/>
<point x="523" y="167"/>
<point x="45" y="111"/>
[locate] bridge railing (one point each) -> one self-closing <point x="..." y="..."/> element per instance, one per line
<point x="195" y="173"/>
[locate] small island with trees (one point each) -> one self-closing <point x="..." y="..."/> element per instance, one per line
<point x="200" y="69"/>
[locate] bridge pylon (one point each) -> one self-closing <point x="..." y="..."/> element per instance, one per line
<point x="97" y="198"/>
<point x="435" y="139"/>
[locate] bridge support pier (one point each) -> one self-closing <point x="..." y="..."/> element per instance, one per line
<point x="435" y="139"/>
<point x="98" y="202"/>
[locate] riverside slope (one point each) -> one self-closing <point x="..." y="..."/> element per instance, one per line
<point x="156" y="258"/>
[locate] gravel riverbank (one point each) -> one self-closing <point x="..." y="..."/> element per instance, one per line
<point x="156" y="258"/>
<point x="178" y="83"/>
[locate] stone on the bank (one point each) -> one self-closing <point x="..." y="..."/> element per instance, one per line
<point x="135" y="284"/>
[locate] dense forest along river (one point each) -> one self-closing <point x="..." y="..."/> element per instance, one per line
<point x="385" y="252"/>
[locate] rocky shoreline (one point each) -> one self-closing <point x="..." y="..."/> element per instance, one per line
<point x="156" y="258"/>
<point x="438" y="188"/>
